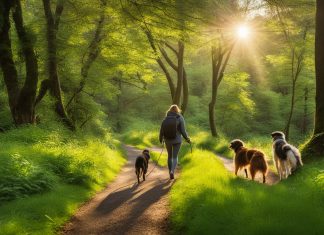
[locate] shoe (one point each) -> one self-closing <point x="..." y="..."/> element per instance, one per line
<point x="171" y="176"/>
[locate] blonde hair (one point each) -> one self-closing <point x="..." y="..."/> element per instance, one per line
<point x="174" y="108"/>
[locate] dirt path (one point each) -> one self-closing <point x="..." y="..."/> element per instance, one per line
<point x="271" y="178"/>
<point x="135" y="209"/>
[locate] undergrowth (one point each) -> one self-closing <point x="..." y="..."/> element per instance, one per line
<point x="40" y="164"/>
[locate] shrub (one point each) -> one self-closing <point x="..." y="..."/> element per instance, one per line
<point x="21" y="177"/>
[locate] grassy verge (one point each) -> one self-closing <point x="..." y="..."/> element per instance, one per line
<point x="160" y="160"/>
<point x="206" y="199"/>
<point x="141" y="139"/>
<point x="47" y="172"/>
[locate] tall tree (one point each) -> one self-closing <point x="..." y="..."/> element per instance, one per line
<point x="173" y="17"/>
<point x="21" y="100"/>
<point x="93" y="50"/>
<point x="182" y="88"/>
<point x="220" y="58"/>
<point x="316" y="144"/>
<point x="53" y="83"/>
<point x="297" y="43"/>
<point x="221" y="50"/>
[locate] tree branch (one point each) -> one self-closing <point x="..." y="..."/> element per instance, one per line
<point x="172" y="48"/>
<point x="167" y="58"/>
<point x="58" y="13"/>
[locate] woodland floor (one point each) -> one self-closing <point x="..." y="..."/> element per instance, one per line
<point x="125" y="207"/>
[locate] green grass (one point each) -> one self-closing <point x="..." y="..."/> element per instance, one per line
<point x="42" y="213"/>
<point x="207" y="199"/>
<point x="161" y="160"/>
<point x="141" y="134"/>
<point x="204" y="140"/>
<point x="141" y="139"/>
<point x="46" y="172"/>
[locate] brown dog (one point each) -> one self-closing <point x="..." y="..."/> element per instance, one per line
<point x="141" y="164"/>
<point x="244" y="157"/>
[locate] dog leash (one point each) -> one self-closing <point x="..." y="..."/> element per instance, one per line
<point x="156" y="163"/>
<point x="127" y="185"/>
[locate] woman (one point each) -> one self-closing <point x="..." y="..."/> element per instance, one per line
<point x="172" y="127"/>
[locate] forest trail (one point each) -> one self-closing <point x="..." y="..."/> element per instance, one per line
<point x="271" y="178"/>
<point x="134" y="209"/>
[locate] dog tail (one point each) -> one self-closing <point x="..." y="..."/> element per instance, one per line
<point x="297" y="155"/>
<point x="293" y="154"/>
<point x="258" y="162"/>
<point x="292" y="159"/>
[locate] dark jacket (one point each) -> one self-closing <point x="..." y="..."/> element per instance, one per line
<point x="181" y="130"/>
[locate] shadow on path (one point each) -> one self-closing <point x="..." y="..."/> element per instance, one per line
<point x="134" y="209"/>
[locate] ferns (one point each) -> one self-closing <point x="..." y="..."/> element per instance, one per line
<point x="20" y="177"/>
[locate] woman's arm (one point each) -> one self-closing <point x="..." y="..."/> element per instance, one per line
<point x="161" y="135"/>
<point x="183" y="129"/>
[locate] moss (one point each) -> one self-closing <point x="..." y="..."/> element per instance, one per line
<point x="314" y="148"/>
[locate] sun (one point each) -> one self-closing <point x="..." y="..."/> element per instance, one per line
<point x="243" y="32"/>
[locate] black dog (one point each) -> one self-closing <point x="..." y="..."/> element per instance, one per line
<point x="141" y="164"/>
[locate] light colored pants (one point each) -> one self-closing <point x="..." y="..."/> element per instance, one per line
<point x="173" y="150"/>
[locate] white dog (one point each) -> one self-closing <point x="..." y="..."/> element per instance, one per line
<point x="285" y="156"/>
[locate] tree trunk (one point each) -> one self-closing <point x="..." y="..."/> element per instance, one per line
<point x="217" y="59"/>
<point x="177" y="95"/>
<point x="304" y="125"/>
<point x="160" y="62"/>
<point x="185" y="97"/>
<point x="21" y="101"/>
<point x="218" y="67"/>
<point x="119" y="105"/>
<point x="52" y="23"/>
<point x="315" y="147"/>
<point x="292" y="106"/>
<point x="93" y="51"/>
<point x="9" y="71"/>
<point x="168" y="77"/>
<point x="26" y="101"/>
<point x="319" y="62"/>
<point x="185" y="87"/>
<point x="212" y="122"/>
